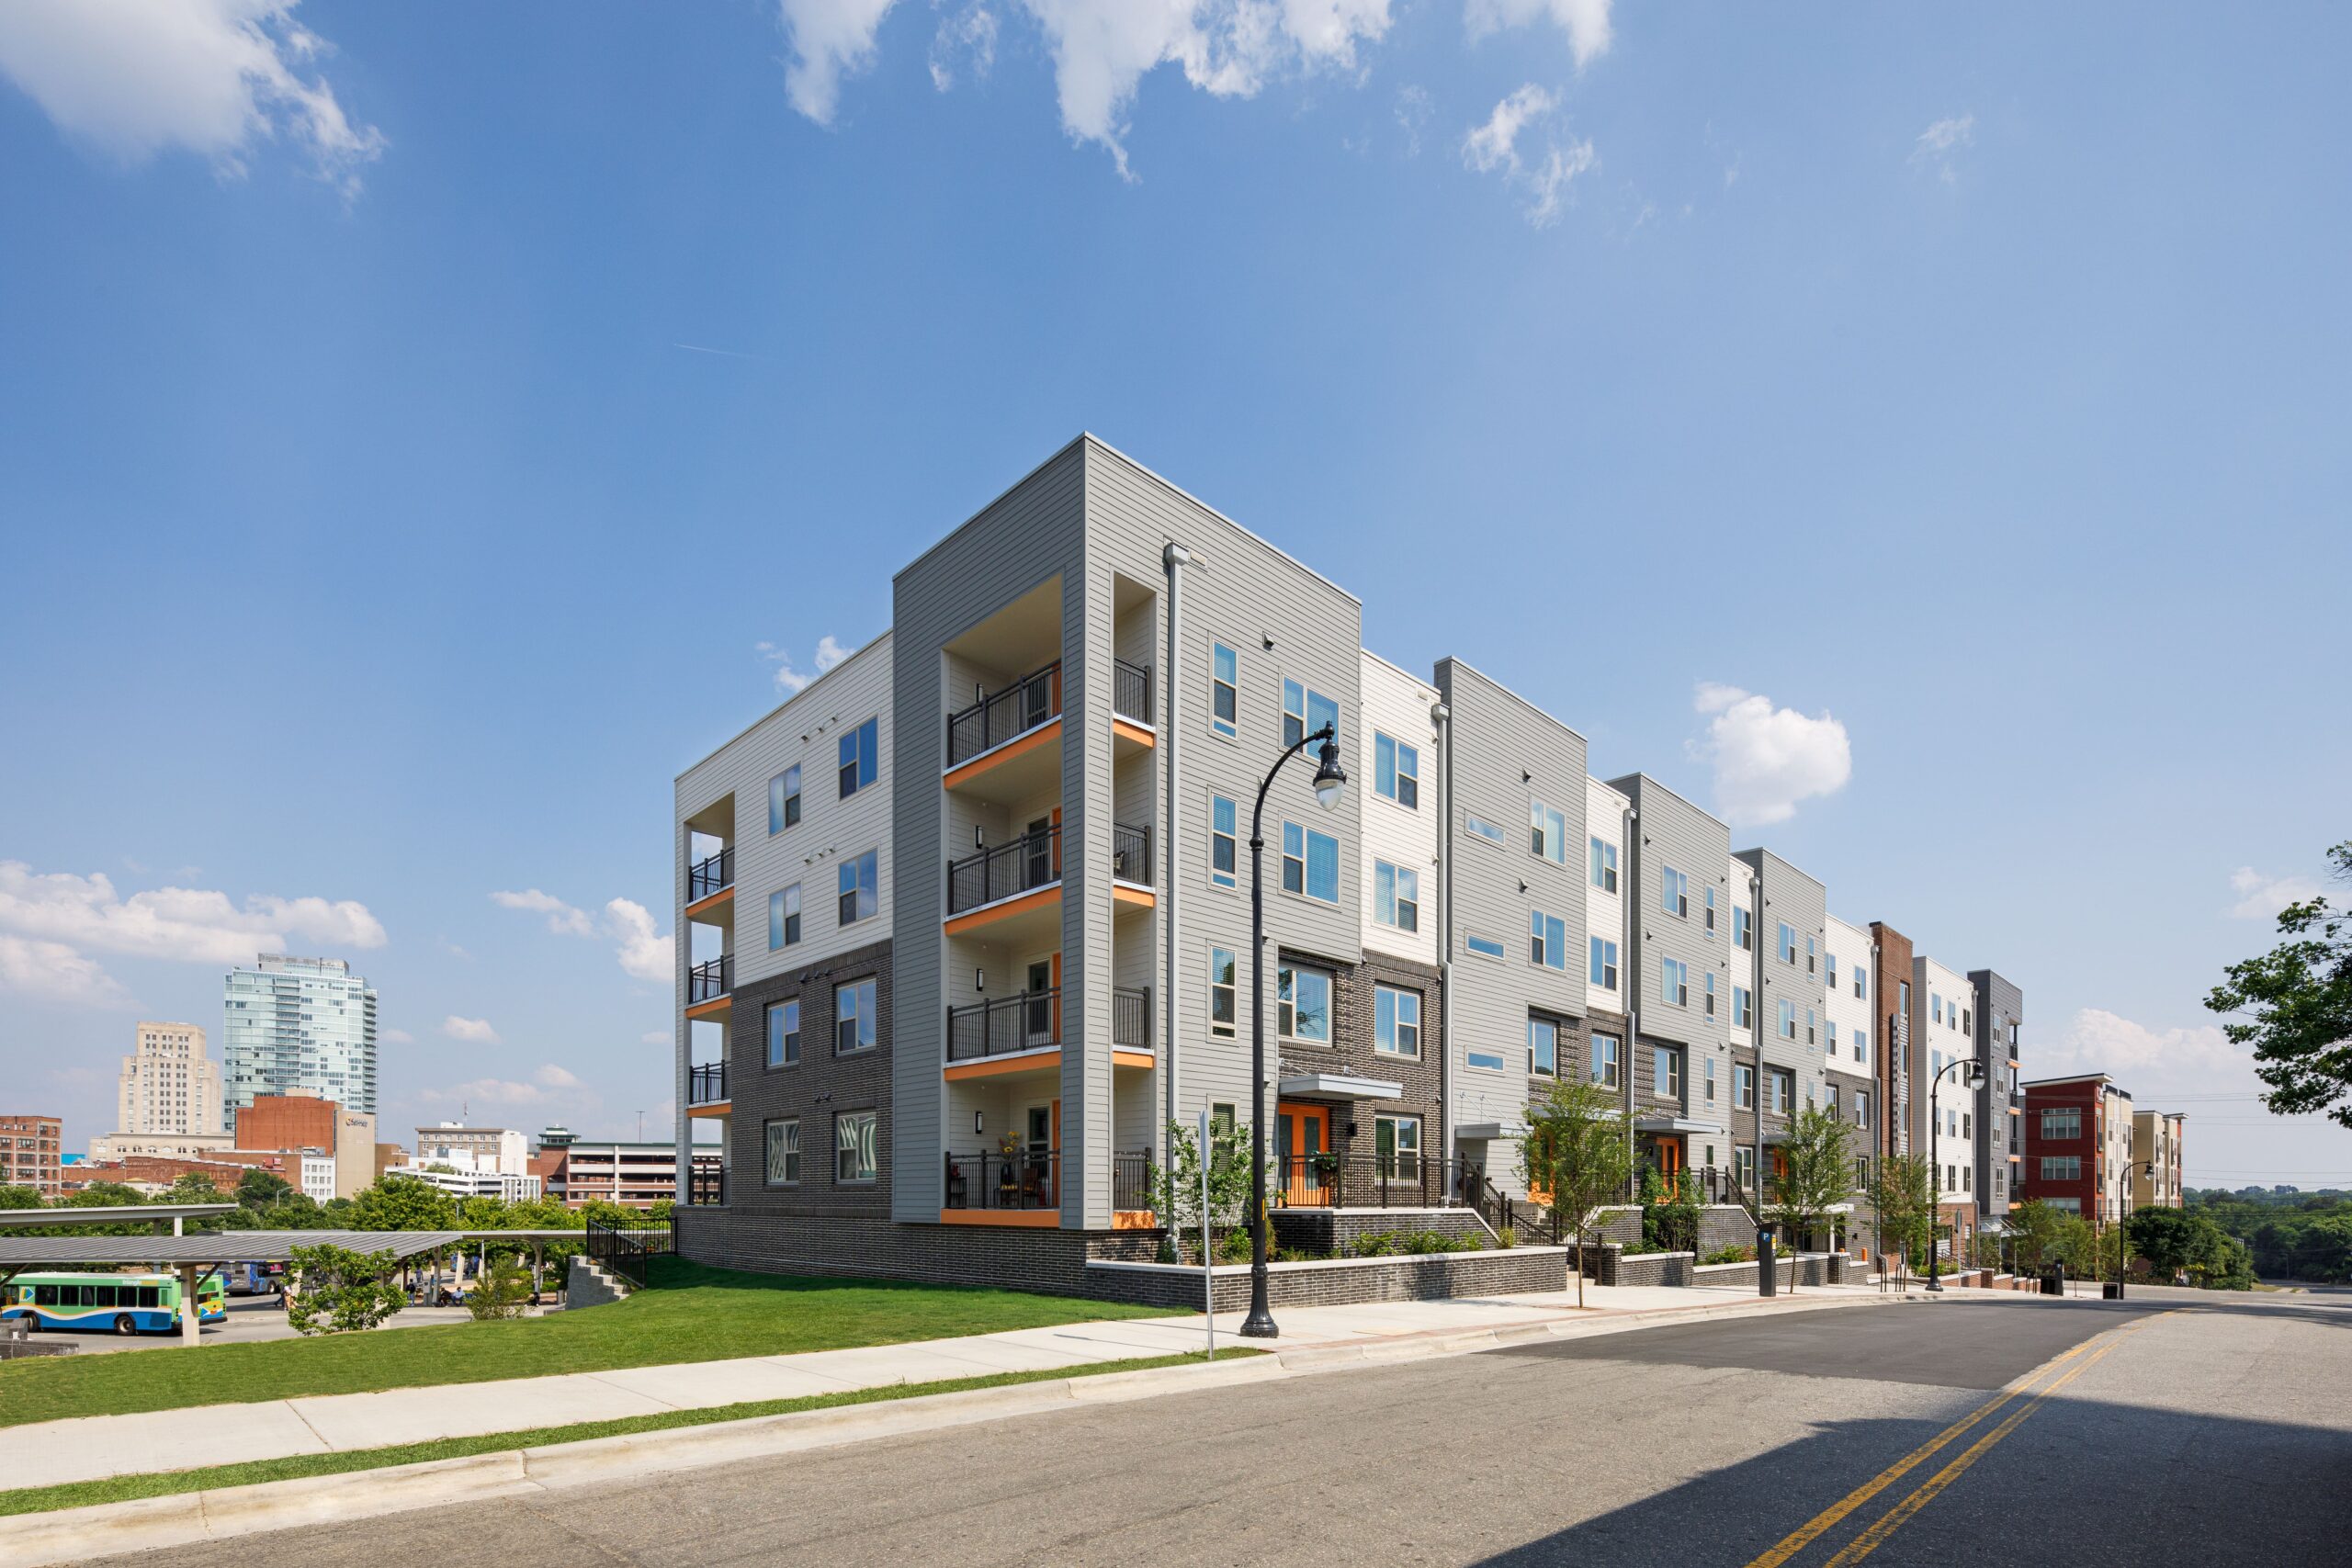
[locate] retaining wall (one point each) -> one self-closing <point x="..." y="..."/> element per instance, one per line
<point x="1340" y="1282"/>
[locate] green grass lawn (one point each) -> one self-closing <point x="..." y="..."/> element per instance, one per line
<point x="694" y="1314"/>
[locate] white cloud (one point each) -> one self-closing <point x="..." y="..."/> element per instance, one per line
<point x="830" y="39"/>
<point x="1767" y="759"/>
<point x="1549" y="180"/>
<point x="1585" y="21"/>
<point x="190" y="925"/>
<point x="1412" y="115"/>
<point x="969" y="34"/>
<point x="549" y="1084"/>
<point x="656" y="1037"/>
<point x="792" y="680"/>
<point x="643" y="952"/>
<point x="1940" y="142"/>
<point x="549" y="1075"/>
<point x="1495" y="143"/>
<point x="2149" y="1063"/>
<point x="1494" y="147"/>
<point x="53" y="972"/>
<point x="396" y="1037"/>
<point x="2261" y="897"/>
<point x="562" y="919"/>
<point x="477" y="1030"/>
<point x="214" y="76"/>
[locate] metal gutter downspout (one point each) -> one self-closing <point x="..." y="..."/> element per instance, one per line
<point x="1629" y="825"/>
<point x="1443" y="717"/>
<point x="1173" y="556"/>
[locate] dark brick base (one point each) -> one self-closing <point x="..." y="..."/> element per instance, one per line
<point x="1436" y="1277"/>
<point x="1336" y="1230"/>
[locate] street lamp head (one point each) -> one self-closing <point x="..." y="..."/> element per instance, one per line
<point x="1331" y="779"/>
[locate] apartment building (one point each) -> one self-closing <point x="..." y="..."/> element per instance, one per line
<point x="2078" y="1145"/>
<point x="29" y="1153"/>
<point x="1943" y="1028"/>
<point x="2155" y="1159"/>
<point x="299" y="1023"/>
<point x="1899" y="1055"/>
<point x="964" y="923"/>
<point x="498" y="1150"/>
<point x="168" y="1086"/>
<point x="2000" y="1128"/>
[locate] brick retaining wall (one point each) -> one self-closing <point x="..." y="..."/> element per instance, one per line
<point x="1435" y="1277"/>
<point x="1336" y="1230"/>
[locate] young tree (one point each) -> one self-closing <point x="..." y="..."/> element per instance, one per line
<point x="337" y="1290"/>
<point x="404" y="1204"/>
<point x="2034" y="1232"/>
<point x="2299" y="997"/>
<point x="502" y="1291"/>
<point x="1577" y="1157"/>
<point x="2170" y="1239"/>
<point x="1817" y="1175"/>
<point x="1178" y="1201"/>
<point x="1903" y="1196"/>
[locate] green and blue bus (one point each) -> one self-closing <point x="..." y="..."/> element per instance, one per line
<point x="124" y="1304"/>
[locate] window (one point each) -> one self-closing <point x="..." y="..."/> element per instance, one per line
<point x="1674" y="981"/>
<point x="1788" y="944"/>
<point x="859" y="748"/>
<point x="1305" y="712"/>
<point x="1396" y="1021"/>
<point x="1604" y="865"/>
<point x="1604" y="1060"/>
<point x="1485" y="945"/>
<point x="1782" y="1091"/>
<point x="1310" y="864"/>
<point x="853" y="1147"/>
<point x="1221" y="1118"/>
<point x="1225" y="689"/>
<point x="1397" y="895"/>
<point x="1711" y="993"/>
<point x="783" y="917"/>
<point x="1490" y="1060"/>
<point x="1788" y="1019"/>
<point x="1665" y="1072"/>
<point x="1935" y="1063"/>
<point x="1547" y="940"/>
<point x="1830" y="1039"/>
<point x="1829" y="970"/>
<point x="1861" y="1044"/>
<point x="1742" y="937"/>
<point x="1396" y="1140"/>
<point x="1549" y="830"/>
<point x="1743" y="1011"/>
<point x="854" y="1018"/>
<point x="1812" y="954"/>
<point x="1222" y="1009"/>
<point x="1861" y="1108"/>
<point x="1935" y="1006"/>
<point x="784" y="1033"/>
<point x="1674" y="892"/>
<point x="1966" y="1025"/>
<point x="1710" y="1080"/>
<point x="1812" y="1024"/>
<point x="784" y="799"/>
<point x="784" y="1152"/>
<point x="1966" y="1124"/>
<point x="1604" y="964"/>
<point x="1743" y="1087"/>
<point x="1225" y="852"/>
<point x="860" y="877"/>
<point x="1542" y="1048"/>
<point x="1862" y="1172"/>
<point x="1396" y="771"/>
<point x="1861" y="983"/>
<point x="1482" y="828"/>
<point x="1302" y="1011"/>
<point x="1830" y="1098"/>
<point x="2065" y="1205"/>
<point x="1743" y="1161"/>
<point x="1902" y="997"/>
<point x="2062" y="1123"/>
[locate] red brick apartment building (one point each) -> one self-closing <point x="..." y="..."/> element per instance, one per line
<point x="2078" y="1147"/>
<point x="28" y="1154"/>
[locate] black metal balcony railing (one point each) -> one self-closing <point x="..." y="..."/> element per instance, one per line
<point x="1130" y="691"/>
<point x="1029" y="1021"/>
<point x="993" y="720"/>
<point x="1407" y="1180"/>
<point x="1026" y="1178"/>
<point x="1131" y="854"/>
<point x="706" y="1085"/>
<point x="710" y="875"/>
<point x="1131" y="1180"/>
<point x="710" y="979"/>
<point x="1030" y="862"/>
<point x="706" y="1186"/>
<point x="1131" y="1017"/>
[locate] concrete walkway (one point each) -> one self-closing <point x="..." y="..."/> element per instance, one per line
<point x="88" y="1448"/>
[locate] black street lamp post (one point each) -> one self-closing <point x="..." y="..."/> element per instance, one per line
<point x="1972" y="1075"/>
<point x="1330" y="783"/>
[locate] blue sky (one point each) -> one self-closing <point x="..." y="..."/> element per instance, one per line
<point x="415" y="419"/>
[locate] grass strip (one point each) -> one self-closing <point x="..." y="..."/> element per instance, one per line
<point x="164" y="1484"/>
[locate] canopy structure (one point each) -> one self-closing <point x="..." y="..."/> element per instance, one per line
<point x="114" y="1214"/>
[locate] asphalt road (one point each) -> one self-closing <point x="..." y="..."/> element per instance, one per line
<point x="2182" y="1428"/>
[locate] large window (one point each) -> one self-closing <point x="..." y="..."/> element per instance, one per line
<point x="860" y="748"/>
<point x="855" y="1017"/>
<point x="784" y="1152"/>
<point x="1395" y="896"/>
<point x="1788" y="1019"/>
<point x="1396" y="771"/>
<point x="784" y="799"/>
<point x="1547" y="940"/>
<point x="1398" y="1142"/>
<point x="1665" y="1073"/>
<point x="1225" y="847"/>
<point x="1606" y="1064"/>
<point x="1601" y="969"/>
<point x="1674" y="892"/>
<point x="1305" y="711"/>
<point x="784" y="1033"/>
<point x="1674" y="981"/>
<point x="2065" y="1123"/>
<point x="1225" y="689"/>
<point x="783" y="917"/>
<point x="1222" y="1009"/>
<point x="2062" y="1168"/>
<point x="853" y="1147"/>
<point x="1829" y="971"/>
<point x="1548" y="829"/>
<point x="1604" y="865"/>
<point x="1310" y="864"/>
<point x="1396" y="1021"/>
<point x="1788" y="944"/>
<point x="860" y="882"/>
<point x="1542" y="1048"/>
<point x="1303" y="1007"/>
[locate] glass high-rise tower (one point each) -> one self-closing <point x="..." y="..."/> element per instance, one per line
<point x="300" y="1024"/>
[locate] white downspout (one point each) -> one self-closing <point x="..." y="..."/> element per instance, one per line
<point x="1173" y="556"/>
<point x="1443" y="717"/>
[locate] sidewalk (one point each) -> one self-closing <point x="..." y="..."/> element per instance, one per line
<point x="89" y="1448"/>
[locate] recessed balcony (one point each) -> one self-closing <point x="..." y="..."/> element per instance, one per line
<point x="1023" y="1187"/>
<point x="709" y="985"/>
<point x="1010" y="739"/>
<point x="710" y="883"/>
<point x="1022" y="1034"/>
<point x="706" y="1091"/>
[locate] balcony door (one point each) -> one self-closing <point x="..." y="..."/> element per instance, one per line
<point x="1302" y="1132"/>
<point x="1040" y="1007"/>
<point x="1038" y="855"/>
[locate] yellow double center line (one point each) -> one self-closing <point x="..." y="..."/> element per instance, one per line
<point x="2090" y="1351"/>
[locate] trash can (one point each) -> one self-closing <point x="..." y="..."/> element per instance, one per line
<point x="2110" y="1291"/>
<point x="2054" y="1284"/>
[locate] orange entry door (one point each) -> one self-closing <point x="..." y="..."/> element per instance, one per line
<point x="1301" y="1130"/>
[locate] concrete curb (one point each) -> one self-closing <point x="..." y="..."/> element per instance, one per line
<point x="31" y="1540"/>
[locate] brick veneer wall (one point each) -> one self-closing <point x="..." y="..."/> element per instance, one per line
<point x="1351" y="1050"/>
<point x="819" y="1085"/>
<point x="1811" y="1268"/>
<point x="1336" y="1230"/>
<point x="1514" y="1271"/>
<point x="858" y="1244"/>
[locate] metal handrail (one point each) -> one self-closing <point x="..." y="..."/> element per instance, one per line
<point x="624" y="1248"/>
<point x="1029" y="701"/>
<point x="1030" y="1020"/>
<point x="1026" y="1178"/>
<point x="706" y="1084"/>
<point x="710" y="979"/>
<point x="1131" y="1017"/>
<point x="1030" y="862"/>
<point x="1131" y="854"/>
<point x="706" y="1187"/>
<point x="1375" y="1181"/>
<point x="711" y="874"/>
<point x="1131" y="691"/>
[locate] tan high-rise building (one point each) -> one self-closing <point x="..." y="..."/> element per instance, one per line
<point x="169" y="1086"/>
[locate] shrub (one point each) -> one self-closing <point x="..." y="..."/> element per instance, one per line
<point x="1507" y="1237"/>
<point x="338" y="1290"/>
<point x="502" y="1291"/>
<point x="1378" y="1246"/>
<point x="1731" y="1255"/>
<point x="1233" y="1247"/>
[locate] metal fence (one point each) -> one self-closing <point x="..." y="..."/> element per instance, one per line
<point x="624" y="1248"/>
<point x="993" y="720"/>
<point x="1131" y="691"/>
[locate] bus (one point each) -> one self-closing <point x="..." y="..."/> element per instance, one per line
<point x="256" y="1278"/>
<point x="125" y="1303"/>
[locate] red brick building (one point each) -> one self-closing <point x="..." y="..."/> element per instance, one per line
<point x="288" y="1121"/>
<point x="29" y="1148"/>
<point x="2078" y="1147"/>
